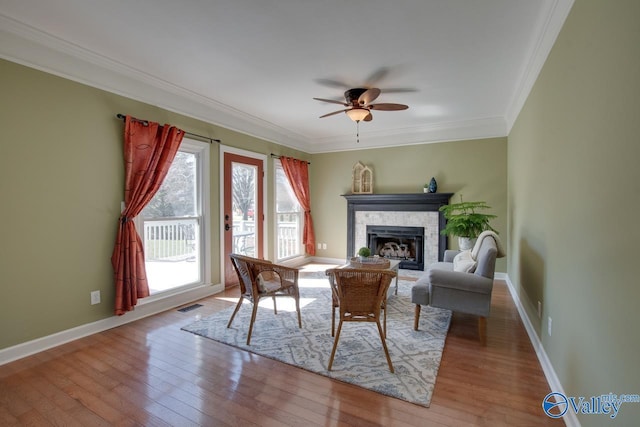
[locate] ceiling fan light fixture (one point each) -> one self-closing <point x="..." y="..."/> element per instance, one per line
<point x="357" y="114"/>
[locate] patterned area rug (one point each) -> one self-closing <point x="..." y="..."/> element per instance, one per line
<point x="359" y="358"/>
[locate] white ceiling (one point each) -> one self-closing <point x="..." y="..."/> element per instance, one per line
<point x="464" y="67"/>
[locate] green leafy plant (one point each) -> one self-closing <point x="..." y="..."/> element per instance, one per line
<point x="463" y="220"/>
<point x="364" y="251"/>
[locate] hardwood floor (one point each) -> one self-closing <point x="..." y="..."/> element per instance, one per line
<point x="150" y="373"/>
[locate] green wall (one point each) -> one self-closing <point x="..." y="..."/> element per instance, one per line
<point x="61" y="183"/>
<point x="475" y="169"/>
<point x="574" y="203"/>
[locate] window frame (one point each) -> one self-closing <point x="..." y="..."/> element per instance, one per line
<point x="277" y="166"/>
<point x="203" y="215"/>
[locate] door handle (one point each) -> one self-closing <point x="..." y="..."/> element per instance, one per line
<point x="226" y="227"/>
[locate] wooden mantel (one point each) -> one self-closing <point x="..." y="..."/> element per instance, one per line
<point x="402" y="202"/>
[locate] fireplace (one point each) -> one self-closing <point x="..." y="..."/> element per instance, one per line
<point x="405" y="244"/>
<point x="398" y="210"/>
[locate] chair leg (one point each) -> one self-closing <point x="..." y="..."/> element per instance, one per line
<point x="482" y="330"/>
<point x="333" y="321"/>
<point x="416" y="318"/>
<point x="298" y="310"/>
<point x="275" y="309"/>
<point x="235" y="311"/>
<point x="335" y="345"/>
<point x="253" y="319"/>
<point x="384" y="307"/>
<point x="384" y="345"/>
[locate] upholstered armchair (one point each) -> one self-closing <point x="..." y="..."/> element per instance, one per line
<point x="463" y="282"/>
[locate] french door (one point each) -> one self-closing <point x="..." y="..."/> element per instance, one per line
<point x="242" y="208"/>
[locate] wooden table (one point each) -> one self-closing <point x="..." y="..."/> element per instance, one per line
<point x="394" y="265"/>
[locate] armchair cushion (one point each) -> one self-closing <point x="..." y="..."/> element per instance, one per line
<point x="449" y="255"/>
<point x="464" y="282"/>
<point x="268" y="281"/>
<point x="464" y="263"/>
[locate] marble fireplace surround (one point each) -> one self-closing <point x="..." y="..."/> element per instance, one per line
<point x="410" y="209"/>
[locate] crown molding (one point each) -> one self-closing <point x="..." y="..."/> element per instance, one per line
<point x="31" y="47"/>
<point x="491" y="127"/>
<point x="548" y="33"/>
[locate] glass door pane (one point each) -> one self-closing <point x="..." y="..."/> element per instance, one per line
<point x="243" y="194"/>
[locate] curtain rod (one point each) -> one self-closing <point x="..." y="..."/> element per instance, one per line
<point x="146" y="123"/>
<point x="277" y="157"/>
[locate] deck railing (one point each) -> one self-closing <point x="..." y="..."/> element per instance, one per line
<point x="175" y="240"/>
<point x="288" y="239"/>
<point x="170" y="240"/>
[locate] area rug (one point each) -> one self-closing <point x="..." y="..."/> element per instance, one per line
<point x="359" y="359"/>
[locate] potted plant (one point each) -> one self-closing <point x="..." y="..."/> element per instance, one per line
<point x="465" y="222"/>
<point x="364" y="252"/>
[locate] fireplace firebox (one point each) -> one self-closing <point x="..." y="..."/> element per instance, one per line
<point x="401" y="243"/>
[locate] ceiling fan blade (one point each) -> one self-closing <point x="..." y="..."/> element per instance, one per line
<point x="332" y="101"/>
<point x="399" y="90"/>
<point x="332" y="83"/>
<point x="388" y="107"/>
<point x="368" y="118"/>
<point x="369" y="96"/>
<point x="376" y="76"/>
<point x="335" y="112"/>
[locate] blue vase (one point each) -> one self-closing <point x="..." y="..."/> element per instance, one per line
<point x="433" y="185"/>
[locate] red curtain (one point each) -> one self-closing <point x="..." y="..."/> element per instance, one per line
<point x="297" y="172"/>
<point x="149" y="150"/>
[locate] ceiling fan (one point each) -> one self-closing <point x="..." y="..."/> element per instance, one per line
<point x="359" y="104"/>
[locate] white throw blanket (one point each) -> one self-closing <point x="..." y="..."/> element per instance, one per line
<point x="481" y="237"/>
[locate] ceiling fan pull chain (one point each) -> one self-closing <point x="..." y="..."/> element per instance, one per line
<point x="358" y="132"/>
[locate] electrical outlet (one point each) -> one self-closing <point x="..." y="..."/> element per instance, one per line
<point x="95" y="297"/>
<point x="539" y="310"/>
<point x="549" y="326"/>
<point x="324" y="246"/>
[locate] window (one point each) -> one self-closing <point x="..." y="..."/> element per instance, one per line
<point x="289" y="218"/>
<point x="173" y="223"/>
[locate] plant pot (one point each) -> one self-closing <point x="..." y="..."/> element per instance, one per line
<point x="465" y="243"/>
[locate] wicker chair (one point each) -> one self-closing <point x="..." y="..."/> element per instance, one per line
<point x="260" y="279"/>
<point x="380" y="263"/>
<point x="360" y="294"/>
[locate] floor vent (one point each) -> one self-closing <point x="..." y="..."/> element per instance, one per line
<point x="189" y="308"/>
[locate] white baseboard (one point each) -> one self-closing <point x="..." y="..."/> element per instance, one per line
<point x="142" y="310"/>
<point x="323" y="260"/>
<point x="570" y="418"/>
